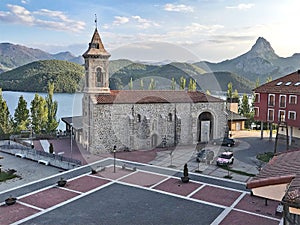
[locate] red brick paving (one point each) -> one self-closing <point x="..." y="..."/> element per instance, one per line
<point x="108" y="172"/>
<point x="175" y="186"/>
<point x="49" y="197"/>
<point x="143" y="179"/>
<point x="257" y="205"/>
<point x="14" y="213"/>
<point x="241" y="218"/>
<point x="220" y="196"/>
<point x="85" y="183"/>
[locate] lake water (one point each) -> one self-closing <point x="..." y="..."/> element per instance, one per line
<point x="68" y="104"/>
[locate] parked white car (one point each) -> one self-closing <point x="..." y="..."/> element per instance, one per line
<point x="225" y="158"/>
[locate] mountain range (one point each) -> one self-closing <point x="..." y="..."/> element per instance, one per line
<point x="259" y="63"/>
<point x="13" y="56"/>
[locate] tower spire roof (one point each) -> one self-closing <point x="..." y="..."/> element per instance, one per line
<point x="96" y="47"/>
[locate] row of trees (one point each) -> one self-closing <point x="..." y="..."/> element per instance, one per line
<point x="40" y="117"/>
<point x="192" y="86"/>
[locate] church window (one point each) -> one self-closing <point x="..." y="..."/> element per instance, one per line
<point x="86" y="81"/>
<point x="139" y="118"/>
<point x="170" y="117"/>
<point x="99" y="77"/>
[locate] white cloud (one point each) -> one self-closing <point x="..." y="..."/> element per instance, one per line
<point x="241" y="6"/>
<point x="120" y="20"/>
<point x="144" y="23"/>
<point x="178" y="8"/>
<point x="54" y="20"/>
<point x="21" y="14"/>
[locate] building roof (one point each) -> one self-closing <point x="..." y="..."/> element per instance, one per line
<point x="96" y="47"/>
<point x="235" y="116"/>
<point x="287" y="84"/>
<point x="282" y="168"/>
<point x="154" y="96"/>
<point x="75" y="121"/>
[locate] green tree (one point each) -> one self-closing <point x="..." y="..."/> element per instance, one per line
<point x="52" y="124"/>
<point x="6" y="126"/>
<point x="142" y="84"/>
<point x="39" y="114"/>
<point x="152" y="84"/>
<point x="229" y="90"/>
<point x="269" y="79"/>
<point x="244" y="108"/>
<point x="173" y="84"/>
<point x="192" y="85"/>
<point x="235" y="94"/>
<point x="182" y="83"/>
<point x="130" y="85"/>
<point x="21" y="116"/>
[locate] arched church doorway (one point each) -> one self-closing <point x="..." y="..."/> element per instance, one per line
<point x="205" y="127"/>
<point x="154" y="140"/>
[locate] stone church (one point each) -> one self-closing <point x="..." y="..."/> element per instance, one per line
<point x="142" y="119"/>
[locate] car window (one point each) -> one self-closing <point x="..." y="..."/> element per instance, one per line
<point x="226" y="156"/>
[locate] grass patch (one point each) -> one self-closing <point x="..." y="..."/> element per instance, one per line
<point x="6" y="176"/>
<point x="237" y="171"/>
<point x="265" y="157"/>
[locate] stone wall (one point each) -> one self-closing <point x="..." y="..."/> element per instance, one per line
<point x="146" y="126"/>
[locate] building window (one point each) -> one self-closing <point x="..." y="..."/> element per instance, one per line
<point x="293" y="100"/>
<point x="257" y="97"/>
<point x="292" y="115"/>
<point x="139" y="118"/>
<point x="282" y="101"/>
<point x="256" y="111"/>
<point x="170" y="117"/>
<point x="99" y="77"/>
<point x="281" y="115"/>
<point x="270" y="114"/>
<point x="271" y="100"/>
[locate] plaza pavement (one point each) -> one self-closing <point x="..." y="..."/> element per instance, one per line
<point x="160" y="175"/>
<point x="135" y="193"/>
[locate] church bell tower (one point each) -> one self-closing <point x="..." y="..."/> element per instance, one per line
<point x="96" y="67"/>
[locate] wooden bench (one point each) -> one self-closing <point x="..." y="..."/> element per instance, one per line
<point x="20" y="155"/>
<point x="41" y="161"/>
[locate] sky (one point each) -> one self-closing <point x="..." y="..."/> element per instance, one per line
<point x="153" y="30"/>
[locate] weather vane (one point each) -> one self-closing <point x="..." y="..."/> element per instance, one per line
<point x="96" y="20"/>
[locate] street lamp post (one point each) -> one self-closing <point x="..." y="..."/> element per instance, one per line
<point x="114" y="150"/>
<point x="71" y="139"/>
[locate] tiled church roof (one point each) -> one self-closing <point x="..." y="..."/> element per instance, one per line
<point x="287" y="84"/>
<point x="154" y="96"/>
<point x="96" y="46"/>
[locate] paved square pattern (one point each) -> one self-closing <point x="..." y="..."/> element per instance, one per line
<point x="143" y="179"/>
<point x="236" y="217"/>
<point x="85" y="183"/>
<point x="48" y="198"/>
<point x="221" y="196"/>
<point x="175" y="186"/>
<point x="16" y="212"/>
<point x="126" y="196"/>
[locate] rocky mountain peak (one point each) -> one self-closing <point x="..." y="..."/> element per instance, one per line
<point x="262" y="48"/>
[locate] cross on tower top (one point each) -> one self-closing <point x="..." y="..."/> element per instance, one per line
<point x="96" y="21"/>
